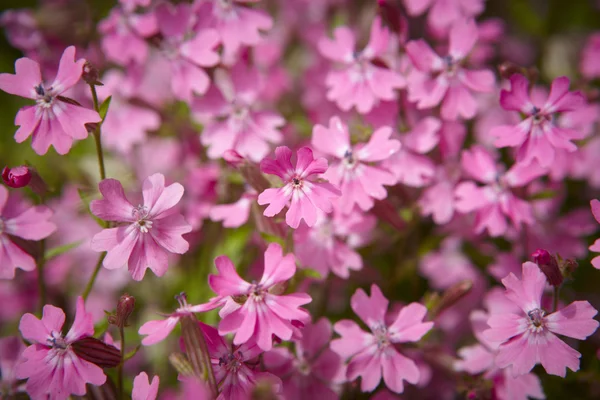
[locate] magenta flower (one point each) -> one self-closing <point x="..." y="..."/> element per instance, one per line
<point x="259" y="313"/>
<point x="444" y="79"/>
<point x="53" y="120"/>
<point x="305" y="195"/>
<point x="595" y="205"/>
<point x="360" y="181"/>
<point x="235" y="367"/>
<point x="361" y="82"/>
<point x="29" y="223"/>
<point x="495" y="201"/>
<point x="373" y="354"/>
<point x="143" y="389"/>
<point x="16" y="177"/>
<point x="529" y="337"/>
<point x="149" y="231"/>
<point x="314" y="371"/>
<point x="538" y="136"/>
<point x="50" y="364"/>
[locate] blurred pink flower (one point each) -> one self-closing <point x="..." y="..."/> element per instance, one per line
<point x="53" y="121"/>
<point x="374" y="354"/>
<point x="528" y="337"/>
<point x="50" y="364"/>
<point x="306" y="195"/>
<point x="590" y="57"/>
<point x="20" y="220"/>
<point x="443" y="13"/>
<point x="355" y="171"/>
<point x="150" y="232"/>
<point x="236" y="214"/>
<point x="143" y="389"/>
<point x="595" y="247"/>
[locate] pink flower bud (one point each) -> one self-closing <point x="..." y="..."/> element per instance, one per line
<point x="124" y="309"/>
<point x="233" y="158"/>
<point x="97" y="352"/>
<point x="549" y="266"/>
<point x="16" y="177"/>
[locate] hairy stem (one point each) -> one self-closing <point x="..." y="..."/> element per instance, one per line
<point x="97" y="135"/>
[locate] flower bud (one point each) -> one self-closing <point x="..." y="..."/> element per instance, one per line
<point x="549" y="266"/>
<point x="97" y="352"/>
<point x="385" y="211"/>
<point x="392" y="17"/>
<point x="90" y="74"/>
<point x="125" y="307"/>
<point x="567" y="267"/>
<point x="16" y="177"/>
<point x="451" y="296"/>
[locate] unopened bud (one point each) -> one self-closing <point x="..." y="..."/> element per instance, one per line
<point x="125" y="307"/>
<point x="196" y="350"/>
<point x="549" y="266"/>
<point x="233" y="158"/>
<point x="451" y="296"/>
<point x="567" y="267"/>
<point x="181" y="364"/>
<point x="392" y="17"/>
<point x="16" y="177"/>
<point x="97" y="352"/>
<point x="91" y="75"/>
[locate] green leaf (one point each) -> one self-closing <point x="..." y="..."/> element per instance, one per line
<point x="104" y="107"/>
<point x="544" y="194"/>
<point x="57" y="251"/>
<point x="311" y="273"/>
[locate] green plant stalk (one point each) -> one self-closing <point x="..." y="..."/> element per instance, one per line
<point x="97" y="135"/>
<point x="40" y="262"/>
<point x="90" y="284"/>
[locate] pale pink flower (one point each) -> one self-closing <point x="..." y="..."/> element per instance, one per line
<point x="361" y="83"/>
<point x="443" y="13"/>
<point x="53" y="121"/>
<point x="538" y="136"/>
<point x="233" y="117"/>
<point x="235" y="367"/>
<point x="236" y="24"/>
<point x="150" y="231"/>
<point x="374" y="354"/>
<point x="355" y="171"/>
<point x="261" y="311"/>
<point x="595" y="247"/>
<point x="313" y="371"/>
<point x="437" y="200"/>
<point x="19" y="220"/>
<point x="443" y="79"/>
<point x="528" y="337"/>
<point x="304" y="194"/>
<point x="330" y="244"/>
<point x="50" y="364"/>
<point x="236" y="214"/>
<point x="143" y="389"/>
<point x="495" y="201"/>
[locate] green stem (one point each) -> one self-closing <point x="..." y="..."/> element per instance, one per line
<point x="120" y="367"/>
<point x="97" y="135"/>
<point x="40" y="270"/>
<point x="555" y="300"/>
<point x="90" y="284"/>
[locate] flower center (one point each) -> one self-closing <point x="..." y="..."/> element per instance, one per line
<point x="44" y="97"/>
<point x="538" y="116"/>
<point x="232" y="362"/>
<point x="57" y="342"/>
<point x="140" y="213"/>
<point x="536" y="319"/>
<point x="349" y="160"/>
<point x="256" y="292"/>
<point x="450" y="64"/>
<point x="296" y="182"/>
<point x="381" y="335"/>
<point x="302" y="366"/>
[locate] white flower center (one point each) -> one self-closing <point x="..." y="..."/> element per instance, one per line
<point x="536" y="320"/>
<point x="381" y="335"/>
<point x="140" y="213"/>
<point x="349" y="160"/>
<point x="44" y="97"/>
<point x="57" y="342"/>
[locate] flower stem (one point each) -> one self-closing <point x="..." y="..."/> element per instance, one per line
<point x="90" y="284"/>
<point x="120" y="367"/>
<point x="97" y="135"/>
<point x="555" y="299"/>
<point x="40" y="270"/>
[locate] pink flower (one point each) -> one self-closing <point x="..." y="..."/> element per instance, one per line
<point x="258" y="312"/>
<point x="374" y="354"/>
<point x="11" y="348"/>
<point x="149" y="232"/>
<point x="236" y="24"/>
<point x="314" y="370"/>
<point x="360" y="83"/>
<point x="495" y="201"/>
<point x="590" y="57"/>
<point x="360" y="180"/>
<point x="52" y="121"/>
<point x="233" y="118"/>
<point x="236" y="214"/>
<point x="595" y="205"/>
<point x="529" y="337"/>
<point x="157" y="331"/>
<point x="29" y="223"/>
<point x="306" y="195"/>
<point x="235" y="367"/>
<point x="538" y="136"/>
<point x="50" y="363"/>
<point x="143" y="389"/>
<point x="442" y="13"/>
<point x="444" y="79"/>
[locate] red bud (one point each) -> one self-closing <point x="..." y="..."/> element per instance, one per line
<point x="16" y="177"/>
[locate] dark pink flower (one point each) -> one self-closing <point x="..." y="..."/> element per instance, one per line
<point x="16" y="177"/>
<point x="444" y="79"/>
<point x="374" y="354"/>
<point x="257" y="312"/>
<point x="304" y="194"/>
<point x="150" y="231"/>
<point x="361" y="83"/>
<point x="20" y="220"/>
<point x="538" y="136"/>
<point x="355" y="171"/>
<point x="50" y="364"/>
<point x="143" y="389"/>
<point x="528" y="337"/>
<point x="52" y="121"/>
